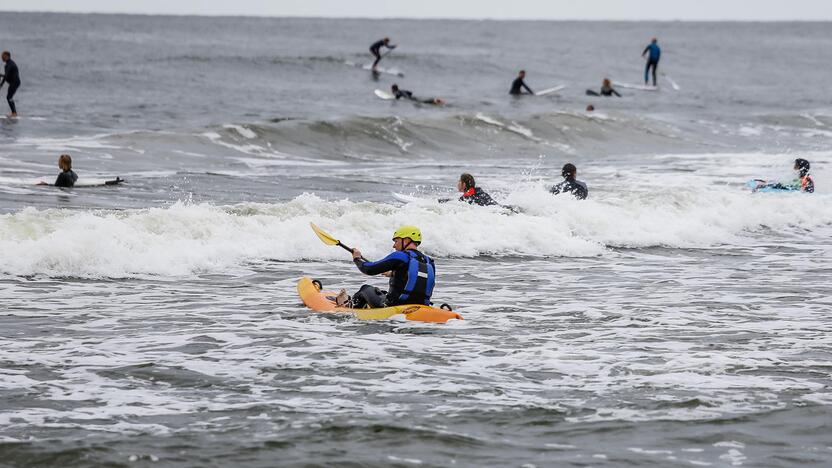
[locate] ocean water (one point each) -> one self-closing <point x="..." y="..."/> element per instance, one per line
<point x="672" y="319"/>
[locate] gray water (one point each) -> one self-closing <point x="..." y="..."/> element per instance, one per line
<point x="672" y="319"/>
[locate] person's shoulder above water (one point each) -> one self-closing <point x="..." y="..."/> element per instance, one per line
<point x="570" y="184"/>
<point x="67" y="177"/>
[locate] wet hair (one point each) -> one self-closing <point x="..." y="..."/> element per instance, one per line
<point x="395" y="87"/>
<point x="654" y="40"/>
<point x="802" y="165"/>
<point x="468" y="181"/>
<point x="65" y="162"/>
<point x="7" y="53"/>
<point x="607" y="82"/>
<point x="590" y="108"/>
<point x="522" y="72"/>
<point x="568" y="171"/>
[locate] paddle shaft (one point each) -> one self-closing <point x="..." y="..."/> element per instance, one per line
<point x="348" y="249"/>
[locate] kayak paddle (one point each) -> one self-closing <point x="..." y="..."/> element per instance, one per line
<point x="329" y="240"/>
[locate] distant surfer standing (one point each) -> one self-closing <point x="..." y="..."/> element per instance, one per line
<point x="11" y="75"/>
<point x="375" y="49"/>
<point x="652" y="60"/>
<point x="518" y="84"/>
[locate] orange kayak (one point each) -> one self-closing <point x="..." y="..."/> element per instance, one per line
<point x="324" y="301"/>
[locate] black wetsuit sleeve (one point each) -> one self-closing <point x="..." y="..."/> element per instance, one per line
<point x="64" y="180"/>
<point x="646" y="49"/>
<point x="615" y="92"/>
<point x="388" y="263"/>
<point x="527" y="88"/>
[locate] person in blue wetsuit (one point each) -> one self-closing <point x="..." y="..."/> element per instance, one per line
<point x="11" y="75"/>
<point x="375" y="49"/>
<point x="412" y="274"/>
<point x="652" y="60"/>
<point x="570" y="184"/>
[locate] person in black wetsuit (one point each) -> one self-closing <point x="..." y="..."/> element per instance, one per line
<point x="376" y="48"/>
<point x="518" y="84"/>
<point x="471" y="193"/>
<point x="412" y="274"/>
<point x="403" y="93"/>
<point x="606" y="89"/>
<point x="570" y="184"/>
<point x="11" y="75"/>
<point x="67" y="177"/>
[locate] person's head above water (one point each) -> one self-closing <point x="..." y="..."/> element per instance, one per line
<point x="386" y="40"/>
<point x="6" y="55"/>
<point x="569" y="171"/>
<point x="801" y="165"/>
<point x="466" y="182"/>
<point x="395" y="87"/>
<point x="65" y="162"/>
<point x="407" y="238"/>
<point x="607" y="82"/>
<point x="522" y="74"/>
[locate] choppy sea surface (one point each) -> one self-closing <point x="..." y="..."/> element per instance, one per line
<point x="672" y="319"/>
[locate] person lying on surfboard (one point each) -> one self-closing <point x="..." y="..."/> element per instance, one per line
<point x="803" y="183"/>
<point x="376" y="47"/>
<point x="606" y="89"/>
<point x="399" y="93"/>
<point x="470" y="192"/>
<point x="412" y="274"/>
<point x="518" y="84"/>
<point x="570" y="184"/>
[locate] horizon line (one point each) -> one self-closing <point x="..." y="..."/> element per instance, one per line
<point x="415" y="18"/>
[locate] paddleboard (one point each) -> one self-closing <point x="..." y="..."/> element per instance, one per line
<point x="384" y="95"/>
<point x="406" y="198"/>
<point x="89" y="183"/>
<point x="759" y="185"/>
<point x="369" y="67"/>
<point x="324" y="301"/>
<point x="635" y="86"/>
<point x="550" y="90"/>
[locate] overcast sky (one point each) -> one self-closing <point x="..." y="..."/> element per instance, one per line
<point x="766" y="10"/>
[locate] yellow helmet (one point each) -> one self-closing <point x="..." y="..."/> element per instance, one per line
<point x="411" y="232"/>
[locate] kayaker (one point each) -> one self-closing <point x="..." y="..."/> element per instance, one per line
<point x="412" y="274"/>
<point x="570" y="184"/>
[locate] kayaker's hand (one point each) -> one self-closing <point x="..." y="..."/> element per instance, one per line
<point x="388" y="273"/>
<point x="356" y="254"/>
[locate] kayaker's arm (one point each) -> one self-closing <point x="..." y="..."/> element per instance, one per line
<point x="388" y="263"/>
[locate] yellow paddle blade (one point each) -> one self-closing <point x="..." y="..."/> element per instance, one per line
<point x="325" y="238"/>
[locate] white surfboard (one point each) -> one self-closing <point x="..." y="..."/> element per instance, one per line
<point x="384" y="95"/>
<point x="635" y="86"/>
<point x="550" y="90"/>
<point x="369" y="67"/>
<point x="406" y="198"/>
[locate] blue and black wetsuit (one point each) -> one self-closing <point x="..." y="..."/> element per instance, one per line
<point x="376" y="48"/>
<point x="66" y="179"/>
<point x="11" y="76"/>
<point x="573" y="186"/>
<point x="412" y="281"/>
<point x="652" y="61"/>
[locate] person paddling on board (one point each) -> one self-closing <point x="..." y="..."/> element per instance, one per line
<point x="652" y="60"/>
<point x="376" y="48"/>
<point x="412" y="274"/>
<point x="606" y="89"/>
<point x="570" y="184"/>
<point x="403" y="93"/>
<point x="67" y="177"/>
<point x="470" y="192"/>
<point x="11" y="75"/>
<point x="518" y="84"/>
<point x="803" y="183"/>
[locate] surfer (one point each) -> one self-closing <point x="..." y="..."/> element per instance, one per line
<point x="652" y="59"/>
<point x="518" y="84"/>
<point x="606" y="89"/>
<point x="803" y="183"/>
<point x="11" y="75"/>
<point x="403" y="93"/>
<point x="411" y="273"/>
<point x="570" y="184"/>
<point x="376" y="47"/>
<point x="67" y="177"/>
<point x="470" y="192"/>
